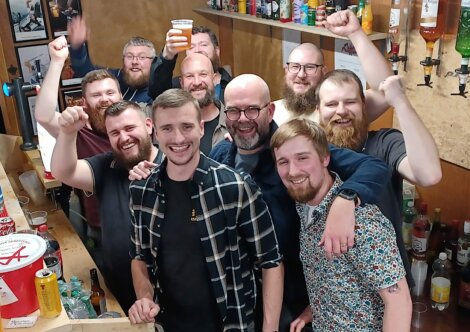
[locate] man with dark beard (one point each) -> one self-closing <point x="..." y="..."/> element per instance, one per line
<point x="137" y="57"/>
<point x="197" y="77"/>
<point x="249" y="119"/>
<point x="129" y="132"/>
<point x="203" y="41"/>
<point x="411" y="154"/>
<point x="305" y="67"/>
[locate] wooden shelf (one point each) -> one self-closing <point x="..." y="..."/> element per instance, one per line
<point x="289" y="25"/>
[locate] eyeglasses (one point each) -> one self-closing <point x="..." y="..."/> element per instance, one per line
<point x="309" y="68"/>
<point x="251" y="112"/>
<point x="131" y="57"/>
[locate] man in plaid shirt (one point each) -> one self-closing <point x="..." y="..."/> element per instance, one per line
<point x="200" y="228"/>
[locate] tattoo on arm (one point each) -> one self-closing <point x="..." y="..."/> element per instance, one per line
<point x="393" y="289"/>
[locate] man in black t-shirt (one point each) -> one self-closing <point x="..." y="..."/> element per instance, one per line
<point x="106" y="174"/>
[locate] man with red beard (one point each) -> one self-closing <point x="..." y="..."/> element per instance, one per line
<point x="197" y="77"/>
<point x="411" y="154"/>
<point x="137" y="57"/>
<point x="249" y="119"/>
<point x="305" y="67"/>
<point x="105" y="174"/>
<point x="100" y="89"/>
<point x="203" y="41"/>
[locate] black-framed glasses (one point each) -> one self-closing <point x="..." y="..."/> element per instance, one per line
<point x="131" y="57"/>
<point x="251" y="112"/>
<point x="309" y="68"/>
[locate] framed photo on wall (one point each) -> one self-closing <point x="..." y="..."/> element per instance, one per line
<point x="72" y="98"/>
<point x="67" y="76"/>
<point x="27" y="20"/>
<point x="61" y="13"/>
<point x="32" y="60"/>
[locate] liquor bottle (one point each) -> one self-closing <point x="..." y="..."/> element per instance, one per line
<point x="269" y="10"/>
<point x="394" y="30"/>
<point x="285" y="13"/>
<point x="275" y="10"/>
<point x="330" y="7"/>
<point x="432" y="24"/>
<point x="360" y="10"/>
<point x="367" y="18"/>
<point x="419" y="237"/>
<point x="409" y="215"/>
<point x="52" y="256"/>
<point x="463" y="246"/>
<point x="462" y="43"/>
<point x="464" y="288"/>
<point x="440" y="283"/>
<point x="436" y="237"/>
<point x="98" y="299"/>
<point x="296" y="4"/>
<point x="452" y="242"/>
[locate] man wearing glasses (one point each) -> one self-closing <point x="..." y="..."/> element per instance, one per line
<point x="249" y="114"/>
<point x="137" y="57"/>
<point x="305" y="67"/>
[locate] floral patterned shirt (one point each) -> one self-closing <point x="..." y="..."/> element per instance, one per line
<point x="343" y="292"/>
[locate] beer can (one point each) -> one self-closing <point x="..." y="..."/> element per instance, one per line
<point x="47" y="291"/>
<point x="7" y="226"/>
<point x="311" y="16"/>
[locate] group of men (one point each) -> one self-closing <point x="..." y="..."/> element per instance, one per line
<point x="272" y="229"/>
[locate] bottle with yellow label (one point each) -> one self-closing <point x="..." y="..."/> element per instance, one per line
<point x="440" y="283"/>
<point x="367" y="18"/>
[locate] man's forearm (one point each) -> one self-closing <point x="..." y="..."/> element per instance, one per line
<point x="142" y="286"/>
<point x="398" y="307"/>
<point x="46" y="103"/>
<point x="64" y="157"/>
<point x="273" y="290"/>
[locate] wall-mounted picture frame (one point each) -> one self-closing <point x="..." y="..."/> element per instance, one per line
<point x="27" y="20"/>
<point x="61" y="13"/>
<point x="72" y="98"/>
<point x="33" y="60"/>
<point x="67" y="76"/>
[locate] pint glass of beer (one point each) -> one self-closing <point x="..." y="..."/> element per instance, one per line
<point x="186" y="26"/>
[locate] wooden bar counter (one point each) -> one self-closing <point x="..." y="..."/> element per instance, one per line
<point x="77" y="261"/>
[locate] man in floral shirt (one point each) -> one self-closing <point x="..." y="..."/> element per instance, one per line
<point x="363" y="290"/>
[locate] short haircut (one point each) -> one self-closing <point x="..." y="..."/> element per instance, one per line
<point x="118" y="107"/>
<point x="340" y="76"/>
<point x="174" y="98"/>
<point x="98" y="75"/>
<point x="139" y="41"/>
<point x="204" y="29"/>
<point x="309" y="47"/>
<point x="301" y="127"/>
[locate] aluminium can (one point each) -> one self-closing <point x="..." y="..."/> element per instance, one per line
<point x="47" y="291"/>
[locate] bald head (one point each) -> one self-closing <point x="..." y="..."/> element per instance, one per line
<point x="247" y="83"/>
<point x="306" y="53"/>
<point x="196" y="60"/>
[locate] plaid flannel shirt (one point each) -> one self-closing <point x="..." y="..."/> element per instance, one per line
<point x="235" y="229"/>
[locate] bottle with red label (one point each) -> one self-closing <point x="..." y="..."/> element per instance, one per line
<point x="52" y="256"/>
<point x="420" y="235"/>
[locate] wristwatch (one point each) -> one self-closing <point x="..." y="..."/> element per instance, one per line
<point x="350" y="195"/>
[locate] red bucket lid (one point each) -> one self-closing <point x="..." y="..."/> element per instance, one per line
<point x="20" y="250"/>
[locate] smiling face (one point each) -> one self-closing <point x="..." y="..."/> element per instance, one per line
<point x="135" y="71"/>
<point x="99" y="95"/>
<point x="302" y="170"/>
<point x="179" y="131"/>
<point x="129" y="135"/>
<point x="197" y="77"/>
<point x="241" y="93"/>
<point x="342" y="114"/>
<point x="201" y="43"/>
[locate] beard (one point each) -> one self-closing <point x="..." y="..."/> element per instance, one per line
<point x="352" y="137"/>
<point x="260" y="138"/>
<point x="136" y="80"/>
<point x="303" y="195"/>
<point x="208" y="98"/>
<point x="145" y="149"/>
<point x="299" y="104"/>
<point x="96" y="118"/>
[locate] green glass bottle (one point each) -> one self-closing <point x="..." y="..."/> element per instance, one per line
<point x="462" y="44"/>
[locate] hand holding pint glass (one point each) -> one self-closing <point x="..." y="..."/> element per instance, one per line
<point x="179" y="37"/>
